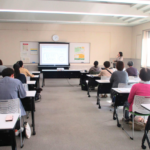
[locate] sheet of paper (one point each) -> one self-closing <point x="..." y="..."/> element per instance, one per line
<point x="25" y="59"/>
<point x="124" y="90"/>
<point x="33" y="51"/>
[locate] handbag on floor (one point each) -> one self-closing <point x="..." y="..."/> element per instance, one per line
<point x="27" y="130"/>
<point x="139" y="124"/>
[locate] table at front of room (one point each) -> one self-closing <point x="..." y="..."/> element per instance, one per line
<point x="48" y="73"/>
<point x="7" y="131"/>
<point x="29" y="105"/>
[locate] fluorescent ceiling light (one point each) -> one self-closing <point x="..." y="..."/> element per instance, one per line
<point x="70" y="13"/>
<point x="62" y="22"/>
<point x="122" y="1"/>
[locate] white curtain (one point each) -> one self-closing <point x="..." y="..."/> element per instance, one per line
<point x="145" y="60"/>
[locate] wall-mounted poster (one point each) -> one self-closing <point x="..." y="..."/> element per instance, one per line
<point x="79" y="52"/>
<point x="29" y="52"/>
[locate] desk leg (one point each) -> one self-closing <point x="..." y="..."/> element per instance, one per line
<point x="43" y="80"/>
<point x="39" y="82"/>
<point x="114" y="113"/>
<point x="98" y="95"/>
<point x="145" y="134"/>
<point x="80" y="82"/>
<point x="88" y="90"/>
<point x="13" y="140"/>
<point x="32" y="113"/>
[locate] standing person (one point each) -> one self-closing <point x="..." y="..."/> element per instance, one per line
<point x="95" y="69"/>
<point x="131" y="70"/>
<point x="1" y="66"/>
<point x="24" y="70"/>
<point x="118" y="76"/>
<point x="18" y="75"/>
<point x="10" y="88"/>
<point x="106" y="72"/>
<point x="119" y="58"/>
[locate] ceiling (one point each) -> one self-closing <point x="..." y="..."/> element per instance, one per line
<point x="101" y="12"/>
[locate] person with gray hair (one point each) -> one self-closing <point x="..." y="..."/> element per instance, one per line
<point x="131" y="70"/>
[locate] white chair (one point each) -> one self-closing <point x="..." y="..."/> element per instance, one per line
<point x="26" y="87"/>
<point x="124" y="85"/>
<point x="131" y="77"/>
<point x="138" y="110"/>
<point x="105" y="78"/>
<point x="11" y="106"/>
<point x="28" y="78"/>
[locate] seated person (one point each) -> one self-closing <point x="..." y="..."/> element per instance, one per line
<point x="1" y="66"/>
<point x="117" y="77"/>
<point x="10" y="88"/>
<point x="131" y="70"/>
<point x="24" y="70"/>
<point x="18" y="75"/>
<point x="95" y="69"/>
<point x="106" y="72"/>
<point x="141" y="89"/>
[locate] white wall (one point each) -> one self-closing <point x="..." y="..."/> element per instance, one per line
<point x="106" y="41"/>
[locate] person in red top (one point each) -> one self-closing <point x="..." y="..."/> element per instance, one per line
<point x="142" y="89"/>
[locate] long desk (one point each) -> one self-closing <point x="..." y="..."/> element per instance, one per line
<point x="29" y="105"/>
<point x="48" y="73"/>
<point x="121" y="97"/>
<point x="83" y="78"/>
<point x="104" y="87"/>
<point x="31" y="82"/>
<point x="37" y="79"/>
<point x="92" y="82"/>
<point x="7" y="131"/>
<point x="35" y="72"/>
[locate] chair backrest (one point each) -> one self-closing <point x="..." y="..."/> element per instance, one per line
<point x="10" y="106"/>
<point x="131" y="77"/>
<point x="124" y="85"/>
<point x="105" y="78"/>
<point x="26" y="87"/>
<point x="138" y="100"/>
<point x="28" y="78"/>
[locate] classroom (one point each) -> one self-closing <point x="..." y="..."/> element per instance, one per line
<point x="74" y="74"/>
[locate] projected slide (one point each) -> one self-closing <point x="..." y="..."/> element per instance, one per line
<point x="54" y="54"/>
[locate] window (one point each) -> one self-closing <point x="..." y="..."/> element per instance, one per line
<point x="145" y="60"/>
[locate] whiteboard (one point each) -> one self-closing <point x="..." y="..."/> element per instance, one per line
<point x="79" y="52"/>
<point x="29" y="52"/>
